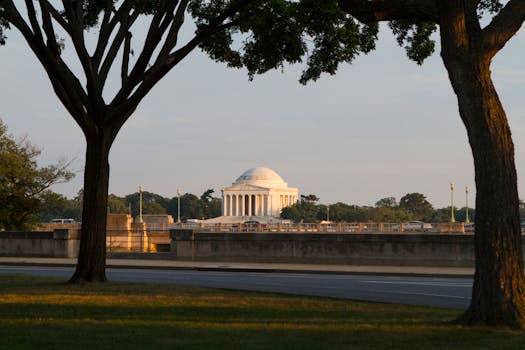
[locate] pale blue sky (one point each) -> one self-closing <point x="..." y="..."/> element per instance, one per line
<point x="381" y="127"/>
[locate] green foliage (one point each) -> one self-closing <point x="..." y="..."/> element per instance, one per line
<point x="304" y="210"/>
<point x="277" y="32"/>
<point x="416" y="204"/>
<point x="388" y="202"/>
<point x="415" y="38"/>
<point x="151" y="203"/>
<point x="56" y="206"/>
<point x="192" y="207"/>
<point x="22" y="182"/>
<point x="388" y="214"/>
<point x="489" y="6"/>
<point x="117" y="205"/>
<point x="3" y="25"/>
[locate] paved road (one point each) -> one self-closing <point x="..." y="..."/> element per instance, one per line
<point x="441" y="292"/>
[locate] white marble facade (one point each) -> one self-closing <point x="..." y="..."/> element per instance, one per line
<point x="257" y="192"/>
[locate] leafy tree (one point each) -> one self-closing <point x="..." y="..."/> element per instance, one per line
<point x="211" y="205"/>
<point x="304" y="210"/>
<point x="117" y="205"/>
<point x="461" y="214"/>
<point x="388" y="202"/>
<point x="22" y="182"/>
<point x="471" y="33"/>
<point x="342" y="212"/>
<point x="272" y="32"/>
<point x="152" y="203"/>
<point x="416" y="204"/>
<point x="440" y="215"/>
<point x="387" y="214"/>
<point x="54" y="205"/>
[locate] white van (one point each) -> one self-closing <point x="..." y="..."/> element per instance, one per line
<point x="63" y="221"/>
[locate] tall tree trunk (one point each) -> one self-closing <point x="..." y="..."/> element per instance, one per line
<point x="498" y="294"/>
<point x="91" y="263"/>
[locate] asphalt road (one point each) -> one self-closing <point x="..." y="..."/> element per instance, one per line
<point x="442" y="292"/>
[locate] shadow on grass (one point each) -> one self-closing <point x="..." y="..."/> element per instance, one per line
<point x="45" y="314"/>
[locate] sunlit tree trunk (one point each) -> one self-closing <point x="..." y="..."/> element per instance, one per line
<point x="498" y="292"/>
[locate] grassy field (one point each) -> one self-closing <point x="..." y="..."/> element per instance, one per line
<point x="38" y="313"/>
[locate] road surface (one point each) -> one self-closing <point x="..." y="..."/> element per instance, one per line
<point x="448" y="292"/>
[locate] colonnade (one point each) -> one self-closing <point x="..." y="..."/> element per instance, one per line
<point x="247" y="204"/>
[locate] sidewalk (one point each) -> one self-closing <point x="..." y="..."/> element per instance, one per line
<point x="253" y="267"/>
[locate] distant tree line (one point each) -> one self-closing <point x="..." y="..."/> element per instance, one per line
<point x="412" y="206"/>
<point x="204" y="206"/>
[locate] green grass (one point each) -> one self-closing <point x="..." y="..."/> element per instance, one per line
<point x="45" y="313"/>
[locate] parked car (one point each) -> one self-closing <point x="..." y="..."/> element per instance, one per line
<point x="416" y="226"/>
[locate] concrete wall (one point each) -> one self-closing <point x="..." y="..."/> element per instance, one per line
<point x="60" y="243"/>
<point x="358" y="249"/>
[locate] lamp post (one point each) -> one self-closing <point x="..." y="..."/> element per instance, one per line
<point x="140" y="203"/>
<point x="178" y="205"/>
<point x="467" y="220"/>
<point x="452" y="218"/>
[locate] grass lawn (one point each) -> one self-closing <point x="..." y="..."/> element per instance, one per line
<point x="44" y="313"/>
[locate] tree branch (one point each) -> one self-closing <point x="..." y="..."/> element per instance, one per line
<point x="31" y="13"/>
<point x="156" y="30"/>
<point x="160" y="69"/>
<point x="66" y="85"/>
<point x="503" y="26"/>
<point x="125" y="25"/>
<point x="371" y="11"/>
<point x="94" y="89"/>
<point x="48" y="28"/>
<point x="107" y="27"/>
<point x="125" y="59"/>
<point x="173" y="33"/>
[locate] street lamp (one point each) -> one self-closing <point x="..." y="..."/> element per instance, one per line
<point x="452" y="218"/>
<point x="467" y="220"/>
<point x="140" y="203"/>
<point x="178" y="205"/>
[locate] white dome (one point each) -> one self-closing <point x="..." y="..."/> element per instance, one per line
<point x="261" y="176"/>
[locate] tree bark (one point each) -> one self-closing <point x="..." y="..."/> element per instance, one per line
<point x="498" y="293"/>
<point x="92" y="255"/>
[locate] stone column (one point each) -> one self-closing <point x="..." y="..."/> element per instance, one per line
<point x="250" y="205"/>
<point x="241" y="204"/>
<point x="224" y="200"/>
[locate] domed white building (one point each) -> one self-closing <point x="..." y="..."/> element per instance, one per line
<point x="258" y="192"/>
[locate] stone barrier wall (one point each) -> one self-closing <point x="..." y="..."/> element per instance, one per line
<point x="60" y="243"/>
<point x="356" y="249"/>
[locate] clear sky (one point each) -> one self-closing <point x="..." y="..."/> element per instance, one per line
<point x="381" y="127"/>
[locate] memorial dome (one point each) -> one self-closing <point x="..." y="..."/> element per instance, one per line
<point x="261" y="176"/>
